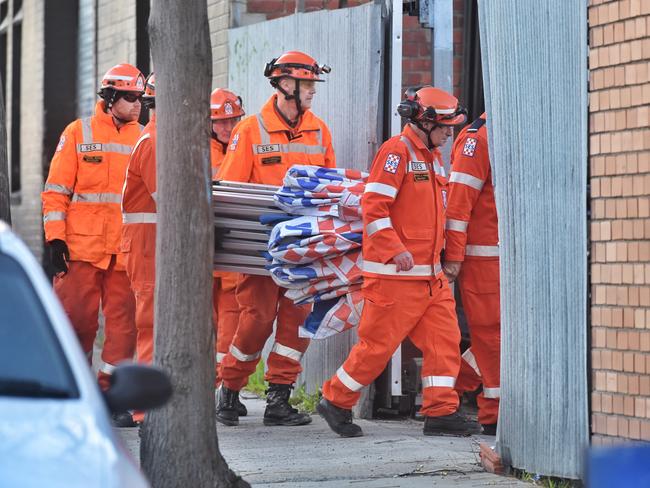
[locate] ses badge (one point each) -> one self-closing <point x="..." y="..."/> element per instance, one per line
<point x="469" y="147"/>
<point x="392" y="163"/>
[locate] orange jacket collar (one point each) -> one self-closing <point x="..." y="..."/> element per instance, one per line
<point x="410" y="134"/>
<point x="274" y="123"/>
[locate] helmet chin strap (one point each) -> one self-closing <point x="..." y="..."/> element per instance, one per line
<point x="295" y="96"/>
<point x="427" y="132"/>
<point x="119" y="119"/>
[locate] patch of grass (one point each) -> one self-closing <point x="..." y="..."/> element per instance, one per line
<point x="256" y="383"/>
<point x="546" y="481"/>
<point x="304" y="401"/>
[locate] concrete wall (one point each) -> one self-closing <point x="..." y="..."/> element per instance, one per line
<point x="619" y="116"/>
<point x="115" y="34"/>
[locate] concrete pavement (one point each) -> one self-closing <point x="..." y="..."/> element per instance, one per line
<point x="390" y="454"/>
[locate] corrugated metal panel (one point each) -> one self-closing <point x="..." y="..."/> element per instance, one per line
<point x="535" y="75"/>
<point x="87" y="59"/>
<point x="350" y="41"/>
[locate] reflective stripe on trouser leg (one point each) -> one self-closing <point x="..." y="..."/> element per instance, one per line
<point x="468" y="379"/>
<point x="284" y="360"/>
<point x="391" y="310"/>
<point x="438" y="337"/>
<point x="257" y="297"/>
<point x="79" y="292"/>
<point x="118" y="305"/>
<point x="226" y="317"/>
<point x="479" y="289"/>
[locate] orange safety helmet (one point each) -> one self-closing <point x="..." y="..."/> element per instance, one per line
<point x="433" y="105"/>
<point x="296" y="65"/>
<point x="224" y="104"/>
<point x="149" y="97"/>
<point x="123" y="77"/>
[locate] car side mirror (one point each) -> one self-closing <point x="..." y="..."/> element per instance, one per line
<point x="137" y="387"/>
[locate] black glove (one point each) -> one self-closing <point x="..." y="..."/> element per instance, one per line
<point x="59" y="255"/>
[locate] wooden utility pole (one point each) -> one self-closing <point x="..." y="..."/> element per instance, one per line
<point x="179" y="445"/>
<point x="5" y="188"/>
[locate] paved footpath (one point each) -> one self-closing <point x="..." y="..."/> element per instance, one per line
<point x="391" y="454"/>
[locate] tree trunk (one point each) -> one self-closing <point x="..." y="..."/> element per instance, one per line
<point x="5" y="188"/>
<point x="179" y="442"/>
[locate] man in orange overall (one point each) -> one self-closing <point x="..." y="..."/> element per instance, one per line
<point x="83" y="223"/>
<point x="405" y="291"/>
<point x="226" y="111"/>
<point x="472" y="255"/>
<point x="261" y="150"/>
<point x="139" y="229"/>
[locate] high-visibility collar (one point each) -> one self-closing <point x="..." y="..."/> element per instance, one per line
<point x="418" y="144"/>
<point x="274" y="123"/>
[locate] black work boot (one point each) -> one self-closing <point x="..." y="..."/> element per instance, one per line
<point x="339" y="419"/>
<point x="489" y="429"/>
<point x="123" y="419"/>
<point x="242" y="411"/>
<point x="278" y="411"/>
<point x="227" y="406"/>
<point x="452" y="424"/>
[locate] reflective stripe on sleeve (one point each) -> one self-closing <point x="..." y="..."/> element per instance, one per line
<point x="438" y="381"/>
<point x="466" y="179"/>
<point x="219" y="357"/>
<point x="53" y="216"/>
<point x="391" y="269"/>
<point x="377" y="225"/>
<point x="492" y="392"/>
<point x="240" y="356"/>
<point x="286" y="351"/>
<point x="97" y="197"/>
<point x="57" y="188"/>
<point x="457" y="225"/>
<point x="107" y="368"/>
<point x="382" y="189"/>
<point x="485" y="251"/>
<point x="349" y="382"/>
<point x="139" y="218"/>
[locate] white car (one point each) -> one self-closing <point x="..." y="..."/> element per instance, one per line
<point x="55" y="428"/>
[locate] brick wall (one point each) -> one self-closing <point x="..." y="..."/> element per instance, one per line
<point x="219" y="17"/>
<point x="619" y="108"/>
<point x="26" y="212"/>
<point x="116" y="34"/>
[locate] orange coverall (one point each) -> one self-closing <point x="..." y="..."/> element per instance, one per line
<point x="139" y="235"/>
<point x="81" y="206"/>
<point x="225" y="314"/>
<point x="403" y="210"/>
<point x="261" y="150"/>
<point x="473" y="238"/>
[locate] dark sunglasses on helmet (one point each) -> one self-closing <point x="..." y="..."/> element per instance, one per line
<point x="132" y="97"/>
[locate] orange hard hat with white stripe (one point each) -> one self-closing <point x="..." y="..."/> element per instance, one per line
<point x="296" y="65"/>
<point x="433" y="105"/>
<point x="224" y="104"/>
<point x="124" y="77"/>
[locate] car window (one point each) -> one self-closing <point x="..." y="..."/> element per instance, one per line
<point x="32" y="362"/>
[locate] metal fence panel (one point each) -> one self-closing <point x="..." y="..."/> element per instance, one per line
<point x="351" y="41"/>
<point x="535" y="74"/>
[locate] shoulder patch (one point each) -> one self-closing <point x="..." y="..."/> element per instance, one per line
<point x="469" y="147"/>
<point x="233" y="143"/>
<point x="59" y="146"/>
<point x="392" y="163"/>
